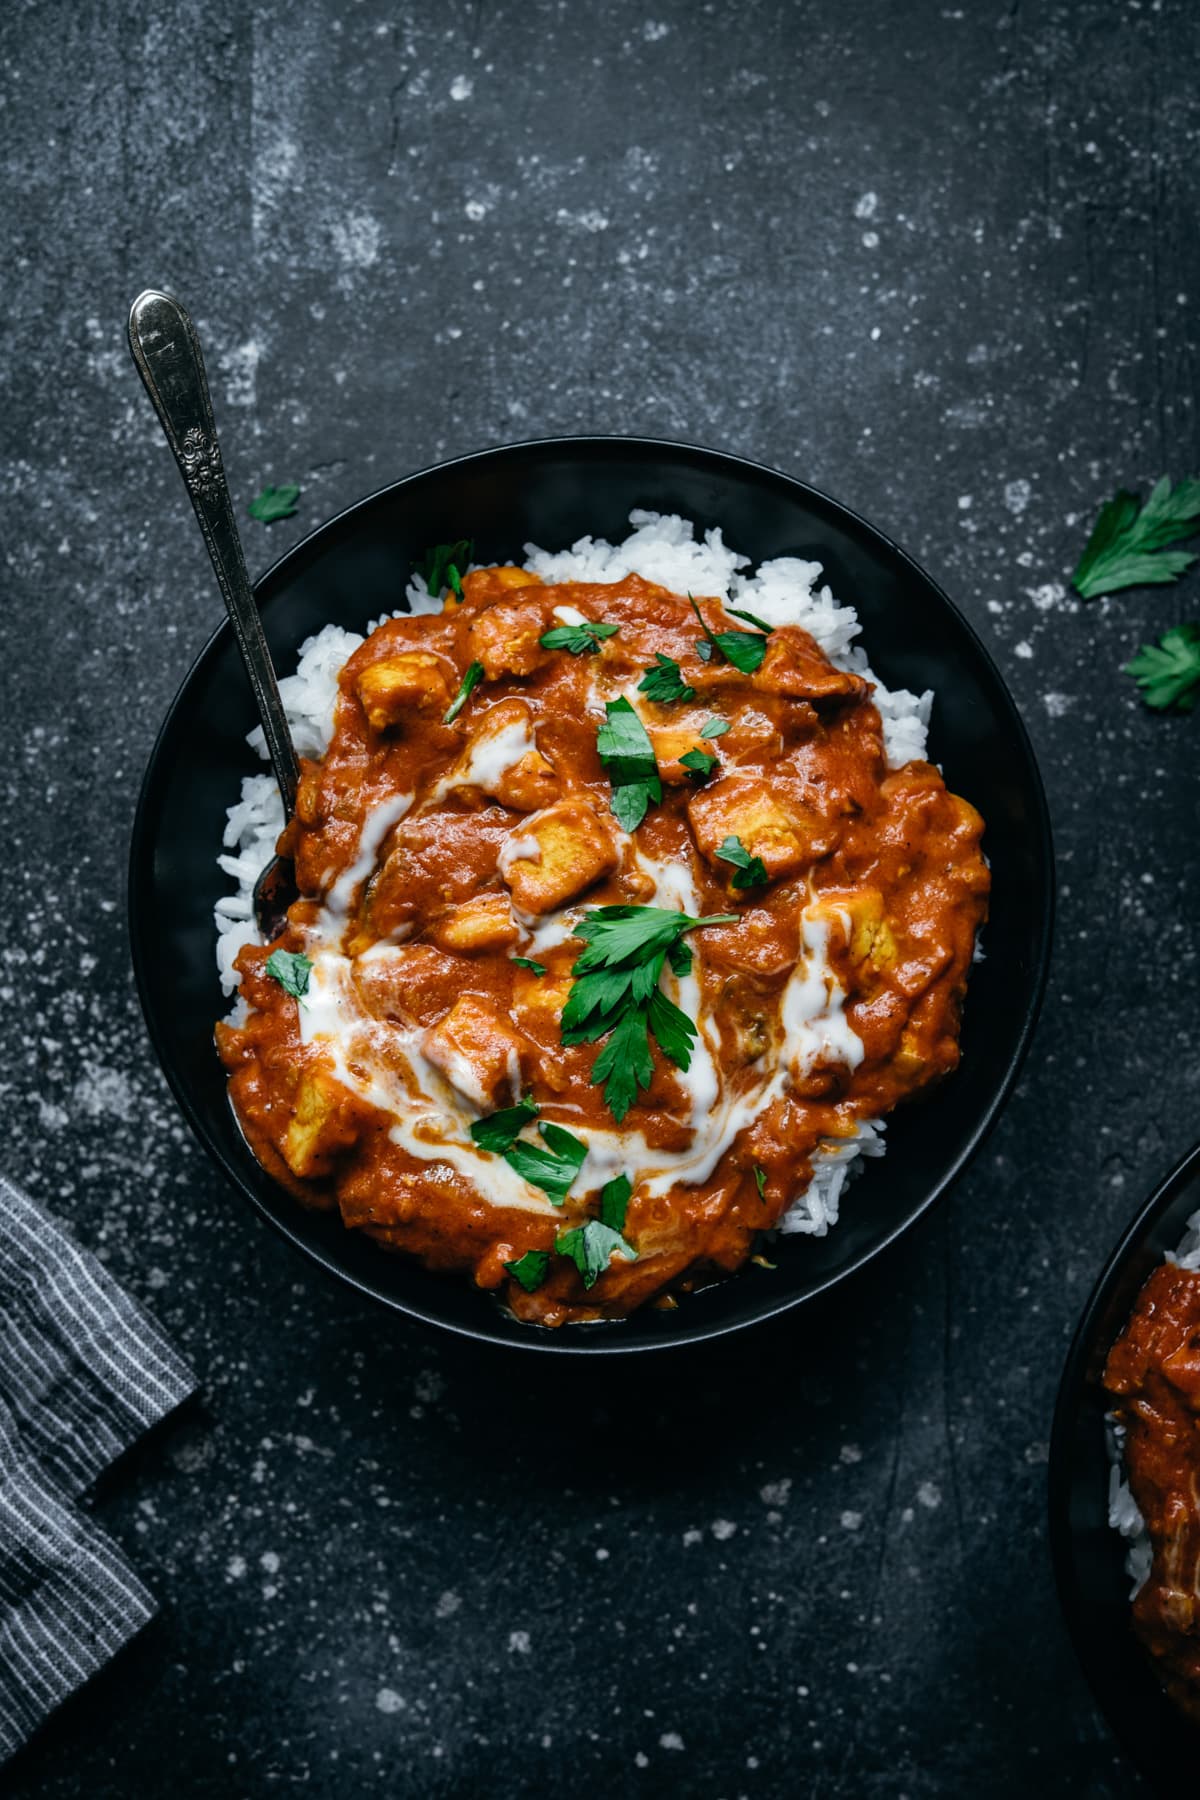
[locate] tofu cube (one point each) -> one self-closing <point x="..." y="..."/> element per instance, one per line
<point x="505" y="638"/>
<point x="870" y="938"/>
<point x="414" y="681"/>
<point x="557" y="854"/>
<point x="485" y="923"/>
<point x="326" y="1118"/>
<point x="746" y="809"/>
<point x="478" y="1050"/>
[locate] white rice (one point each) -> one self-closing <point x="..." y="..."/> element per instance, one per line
<point x="662" y="547"/>
<point x="1124" y="1514"/>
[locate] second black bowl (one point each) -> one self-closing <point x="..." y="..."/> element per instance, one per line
<point x="355" y="568"/>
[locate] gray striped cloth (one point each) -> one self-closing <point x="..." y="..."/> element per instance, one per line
<point x="83" y="1372"/>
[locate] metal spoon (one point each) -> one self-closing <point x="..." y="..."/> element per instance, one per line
<point x="166" y="350"/>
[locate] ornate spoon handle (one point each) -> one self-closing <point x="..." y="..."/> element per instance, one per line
<point x="167" y="353"/>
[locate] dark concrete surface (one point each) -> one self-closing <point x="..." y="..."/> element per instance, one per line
<point x="942" y="262"/>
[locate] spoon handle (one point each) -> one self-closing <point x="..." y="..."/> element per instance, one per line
<point x="167" y="353"/>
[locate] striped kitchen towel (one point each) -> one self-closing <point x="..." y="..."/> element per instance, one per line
<point x="83" y="1372"/>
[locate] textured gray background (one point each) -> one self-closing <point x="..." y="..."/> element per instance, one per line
<point x="939" y="260"/>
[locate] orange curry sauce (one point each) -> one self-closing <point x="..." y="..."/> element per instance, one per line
<point x="878" y="872"/>
<point x="1153" y="1369"/>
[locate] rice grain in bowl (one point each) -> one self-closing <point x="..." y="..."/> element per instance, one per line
<point x="547" y="493"/>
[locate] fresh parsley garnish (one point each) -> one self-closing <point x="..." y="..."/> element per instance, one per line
<point x="714" y="728"/>
<point x="527" y="962"/>
<point x="615" y="992"/>
<point x="628" y="755"/>
<point x="290" y="971"/>
<point x="500" y="1130"/>
<point x="441" y="567"/>
<point x="664" y="683"/>
<point x="735" y="612"/>
<point x="466" y="688"/>
<point x="699" y="762"/>
<point x="592" y="1247"/>
<point x="578" y="639"/>
<point x="1168" y="672"/>
<point x="530" y="1269"/>
<point x="760" y="1181"/>
<point x="744" y="649"/>
<point x="274" y="503"/>
<point x="551" y="1165"/>
<point x="614" y="1201"/>
<point x="751" y="870"/>
<point x="1126" y="545"/>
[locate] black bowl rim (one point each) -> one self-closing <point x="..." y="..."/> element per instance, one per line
<point x="1071" y="1386"/>
<point x="600" y="1340"/>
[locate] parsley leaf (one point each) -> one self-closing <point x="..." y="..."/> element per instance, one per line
<point x="552" y="1167"/>
<point x="760" y="1182"/>
<point x="735" y="612"/>
<point x="1168" y="672"/>
<point x="591" y="1248"/>
<point x="699" y="762"/>
<point x="664" y="684"/>
<point x="274" y="503"/>
<point x="615" y="990"/>
<point x="751" y="870"/>
<point x="578" y="638"/>
<point x="614" y="1199"/>
<point x="714" y="728"/>
<point x="527" y="962"/>
<point x="466" y="688"/>
<point x="530" y="1269"/>
<point x="439" y="567"/>
<point x="290" y="971"/>
<point x="1126" y="545"/>
<point x="744" y="649"/>
<point x="499" y="1130"/>
<point x="628" y="755"/>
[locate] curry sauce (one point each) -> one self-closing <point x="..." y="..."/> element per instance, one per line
<point x="445" y="871"/>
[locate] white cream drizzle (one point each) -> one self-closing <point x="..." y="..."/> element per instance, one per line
<point x="570" y="615"/>
<point x="489" y="756"/>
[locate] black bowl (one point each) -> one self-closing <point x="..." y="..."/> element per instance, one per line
<point x="1088" y="1555"/>
<point x="553" y="492"/>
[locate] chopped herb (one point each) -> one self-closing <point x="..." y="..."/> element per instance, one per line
<point x="615" y="990"/>
<point x="664" y="683"/>
<point x="714" y="728"/>
<point x="274" y="503"/>
<point x="1126" y="545"/>
<point x="591" y="1248"/>
<point x="744" y="649"/>
<point x="614" y="1199"/>
<point x="735" y="612"/>
<point x="760" y="1182"/>
<point x="751" y="870"/>
<point x="527" y="962"/>
<point x="578" y="638"/>
<point x="699" y="762"/>
<point x="1168" y="672"/>
<point x="466" y="688"/>
<point x="553" y="1167"/>
<point x="439" y="567"/>
<point x="628" y="755"/>
<point x="290" y="971"/>
<point x="679" y="955"/>
<point x="530" y="1269"/>
<point x="499" y="1130"/>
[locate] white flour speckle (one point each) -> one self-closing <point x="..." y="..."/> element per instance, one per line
<point x="462" y="87"/>
<point x="865" y="205"/>
<point x="1057" y="704"/>
<point x="389" y="1701"/>
<point x="851" y="1521"/>
<point x="356" y="239"/>
<point x="723" y="1529"/>
<point x="671" y="1740"/>
<point x="518" y="1643"/>
<point x="929" y="1494"/>
<point x="1024" y="649"/>
<point x="1016" y="496"/>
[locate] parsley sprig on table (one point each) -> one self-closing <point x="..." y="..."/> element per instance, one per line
<point x="744" y="649"/>
<point x="1126" y="548"/>
<point x="664" y="683"/>
<point x="1168" y="672"/>
<point x="615" y="993"/>
<point x="578" y="639"/>
<point x="442" y="565"/>
<point x="274" y="503"/>
<point x="628" y="755"/>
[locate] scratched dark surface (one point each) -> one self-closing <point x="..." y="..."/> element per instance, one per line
<point x="940" y="261"/>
